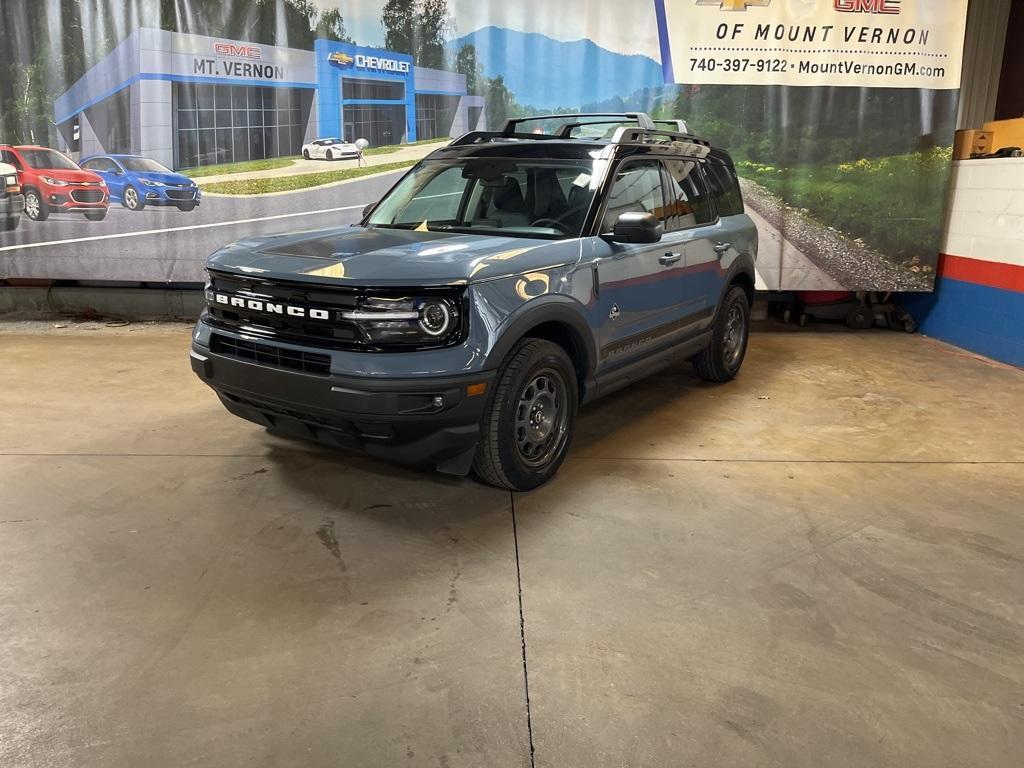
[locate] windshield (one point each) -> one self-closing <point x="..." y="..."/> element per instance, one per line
<point x="47" y="158"/>
<point x="530" y="197"/>
<point x="143" y="165"/>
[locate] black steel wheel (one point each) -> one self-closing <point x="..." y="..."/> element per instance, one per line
<point x="530" y="417"/>
<point x="722" y="359"/>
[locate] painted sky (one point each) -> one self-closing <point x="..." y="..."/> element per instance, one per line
<point x="623" y="26"/>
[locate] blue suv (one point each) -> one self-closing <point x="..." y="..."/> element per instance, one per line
<point x="502" y="282"/>
<point x="136" y="182"/>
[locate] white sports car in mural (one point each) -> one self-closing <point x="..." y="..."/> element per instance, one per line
<point x="329" y="149"/>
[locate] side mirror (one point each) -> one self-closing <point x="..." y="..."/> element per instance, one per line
<point x="637" y="227"/>
<point x="368" y="209"/>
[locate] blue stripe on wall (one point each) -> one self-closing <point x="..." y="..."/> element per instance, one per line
<point x="989" y="321"/>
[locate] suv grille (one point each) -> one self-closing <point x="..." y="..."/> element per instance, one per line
<point x="267" y="354"/>
<point x="86" y="195"/>
<point x="333" y="332"/>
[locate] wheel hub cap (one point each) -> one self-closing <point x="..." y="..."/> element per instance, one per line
<point x="540" y="419"/>
<point x="735" y="335"/>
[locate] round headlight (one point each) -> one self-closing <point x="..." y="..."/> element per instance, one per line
<point x="435" y="318"/>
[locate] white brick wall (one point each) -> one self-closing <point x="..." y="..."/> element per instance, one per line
<point x="986" y="211"/>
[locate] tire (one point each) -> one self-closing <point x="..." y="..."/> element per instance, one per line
<point x="860" y="318"/>
<point x="10" y="223"/>
<point x="329" y="155"/>
<point x="721" y="361"/>
<point x="35" y="206"/>
<point x="131" y="200"/>
<point x="96" y="215"/>
<point x="536" y="381"/>
<point x="186" y="207"/>
<point x="305" y="154"/>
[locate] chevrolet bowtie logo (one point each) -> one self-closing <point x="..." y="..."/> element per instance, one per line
<point x="734" y="5"/>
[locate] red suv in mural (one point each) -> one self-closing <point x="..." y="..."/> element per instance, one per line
<point x="54" y="183"/>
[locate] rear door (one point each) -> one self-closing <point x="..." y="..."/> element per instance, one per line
<point x="693" y="230"/>
<point x="641" y="306"/>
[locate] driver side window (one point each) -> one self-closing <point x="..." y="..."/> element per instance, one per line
<point x="438" y="200"/>
<point x="637" y="188"/>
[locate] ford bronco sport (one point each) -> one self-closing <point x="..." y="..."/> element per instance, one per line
<point x="506" y="279"/>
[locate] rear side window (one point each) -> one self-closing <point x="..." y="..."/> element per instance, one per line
<point x="725" y="188"/>
<point x="637" y="188"/>
<point x="689" y="204"/>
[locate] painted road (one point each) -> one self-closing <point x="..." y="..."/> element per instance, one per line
<point x="168" y="245"/>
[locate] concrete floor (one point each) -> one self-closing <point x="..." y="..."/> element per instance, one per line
<point x="821" y="564"/>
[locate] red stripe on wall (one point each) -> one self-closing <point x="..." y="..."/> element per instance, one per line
<point x="1009" y="277"/>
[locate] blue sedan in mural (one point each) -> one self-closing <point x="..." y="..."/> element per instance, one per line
<point x="136" y="182"/>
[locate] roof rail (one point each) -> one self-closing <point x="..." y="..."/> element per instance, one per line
<point x="691" y="145"/>
<point x="675" y="125"/>
<point x="642" y="119"/>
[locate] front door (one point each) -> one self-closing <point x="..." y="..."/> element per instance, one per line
<point x="641" y="302"/>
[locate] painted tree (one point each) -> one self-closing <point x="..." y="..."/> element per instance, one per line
<point x="418" y="28"/>
<point x="467" y="63"/>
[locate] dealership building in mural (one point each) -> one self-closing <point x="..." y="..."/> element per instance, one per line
<point x="189" y="100"/>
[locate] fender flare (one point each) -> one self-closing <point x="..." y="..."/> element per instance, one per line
<point x="547" y="309"/>
<point x="744" y="265"/>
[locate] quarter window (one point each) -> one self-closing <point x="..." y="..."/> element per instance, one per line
<point x="689" y="204"/>
<point x="637" y="188"/>
<point x="725" y="188"/>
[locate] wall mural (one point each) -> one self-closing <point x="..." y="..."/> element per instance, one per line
<point x="146" y="134"/>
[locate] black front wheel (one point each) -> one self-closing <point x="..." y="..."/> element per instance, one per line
<point x="721" y="361"/>
<point x="96" y="215"/>
<point x="530" y="417"/>
<point x="186" y="207"/>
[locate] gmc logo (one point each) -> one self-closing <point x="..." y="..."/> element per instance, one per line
<point x="238" y="51"/>
<point x="868" y="6"/>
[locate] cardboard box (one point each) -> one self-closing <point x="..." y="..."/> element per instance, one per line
<point x="1006" y="133"/>
<point x="971" y="142"/>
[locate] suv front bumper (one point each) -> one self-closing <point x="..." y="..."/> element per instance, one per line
<point x="421" y="422"/>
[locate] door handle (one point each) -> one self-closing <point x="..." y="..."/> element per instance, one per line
<point x="721" y="248"/>
<point x="670" y="258"/>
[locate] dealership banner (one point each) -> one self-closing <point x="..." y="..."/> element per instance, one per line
<point x="139" y="137"/>
<point x="860" y="43"/>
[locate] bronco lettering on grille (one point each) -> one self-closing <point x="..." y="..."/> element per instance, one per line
<point x="271" y="308"/>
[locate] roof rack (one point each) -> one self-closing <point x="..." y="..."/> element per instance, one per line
<point x="640" y="118"/>
<point x="646" y="131"/>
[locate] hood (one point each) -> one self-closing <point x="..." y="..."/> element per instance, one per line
<point x="382" y="257"/>
<point x="164" y="178"/>
<point x="72" y="176"/>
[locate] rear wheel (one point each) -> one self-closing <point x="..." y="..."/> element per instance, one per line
<point x="10" y="222"/>
<point x="131" y="199"/>
<point x="721" y="361"/>
<point x="35" y="207"/>
<point x="530" y="417"/>
<point x="330" y="155"/>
